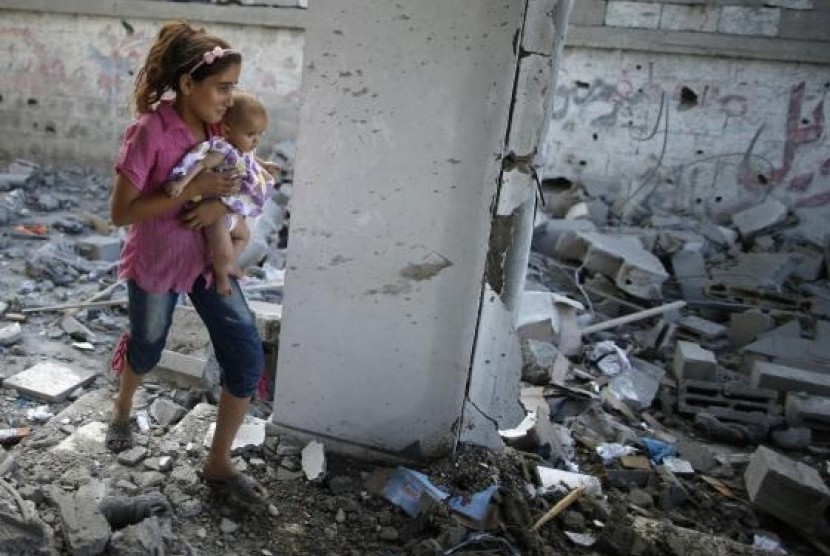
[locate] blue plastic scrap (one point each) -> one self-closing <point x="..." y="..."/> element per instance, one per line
<point x="412" y="491"/>
<point x="475" y="506"/>
<point x="658" y="450"/>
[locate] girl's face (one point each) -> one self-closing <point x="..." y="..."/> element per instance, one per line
<point x="211" y="97"/>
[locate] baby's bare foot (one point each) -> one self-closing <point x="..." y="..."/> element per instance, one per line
<point x="223" y="283"/>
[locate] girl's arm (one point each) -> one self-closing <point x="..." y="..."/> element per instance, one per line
<point x="127" y="206"/>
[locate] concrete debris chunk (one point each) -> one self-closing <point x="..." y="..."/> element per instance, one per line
<point x="692" y="362"/>
<point x="760" y="217"/>
<point x="808" y="411"/>
<point x="10" y="334"/>
<point x="789" y="379"/>
<point x="650" y="536"/>
<point x="702" y="328"/>
<point x="49" y="380"/>
<point x="638" y="385"/>
<point x="745" y="327"/>
<point x="166" y="412"/>
<point x="141" y="539"/>
<point x="314" y="460"/>
<point x="100" y="248"/>
<point x="538" y="360"/>
<point x="251" y="436"/>
<point x="87" y="439"/>
<point x="789" y="490"/>
<point x="76" y="330"/>
<point x="556" y="478"/>
<point x="84" y="526"/>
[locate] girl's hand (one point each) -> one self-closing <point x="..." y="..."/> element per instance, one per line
<point x="213" y="184"/>
<point x="204" y="214"/>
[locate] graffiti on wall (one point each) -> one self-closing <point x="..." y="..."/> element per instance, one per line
<point x="749" y="153"/>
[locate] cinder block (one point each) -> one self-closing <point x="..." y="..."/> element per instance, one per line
<point x="729" y="402"/>
<point x="789" y="490"/>
<point x="741" y="20"/>
<point x="678" y="17"/>
<point x="100" y="248"/>
<point x="808" y="411"/>
<point x="644" y="15"/>
<point x="692" y="362"/>
<point x="789" y="379"/>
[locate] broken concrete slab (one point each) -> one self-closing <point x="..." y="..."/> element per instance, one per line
<point x="145" y="537"/>
<point x="23" y="535"/>
<point x="250" y="437"/>
<point x="84" y="526"/>
<point x="551" y="478"/>
<point x="790" y="345"/>
<point x="634" y="270"/>
<point x="701" y="327"/>
<point x="49" y="380"/>
<point x="745" y="327"/>
<point x="692" y="362"/>
<point x="789" y="490"/>
<point x="76" y="330"/>
<point x="788" y="379"/>
<point x="550" y="317"/>
<point x="758" y="218"/>
<point x="638" y="385"/>
<point x="690" y="271"/>
<point x="268" y="319"/>
<point x="648" y="536"/>
<point x="194" y="425"/>
<point x="87" y="439"/>
<point x="546" y="237"/>
<point x="179" y="363"/>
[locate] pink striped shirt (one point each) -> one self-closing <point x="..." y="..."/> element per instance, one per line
<point x="160" y="254"/>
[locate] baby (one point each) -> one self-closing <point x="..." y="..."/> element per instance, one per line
<point x="241" y="128"/>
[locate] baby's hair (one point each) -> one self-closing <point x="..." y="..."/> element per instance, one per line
<point x="245" y="107"/>
<point x="176" y="51"/>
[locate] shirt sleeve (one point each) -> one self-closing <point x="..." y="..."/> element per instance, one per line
<point x="137" y="156"/>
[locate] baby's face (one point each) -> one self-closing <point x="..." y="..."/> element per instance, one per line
<point x="245" y="135"/>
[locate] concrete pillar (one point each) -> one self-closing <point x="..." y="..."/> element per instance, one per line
<point x="399" y="230"/>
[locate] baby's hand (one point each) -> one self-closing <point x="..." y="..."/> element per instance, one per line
<point x="272" y="168"/>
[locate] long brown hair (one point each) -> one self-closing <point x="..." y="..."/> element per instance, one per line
<point x="177" y="49"/>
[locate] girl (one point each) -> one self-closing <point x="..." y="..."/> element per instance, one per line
<point x="165" y="254"/>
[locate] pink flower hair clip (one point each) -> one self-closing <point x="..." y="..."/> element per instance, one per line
<point x="211" y="56"/>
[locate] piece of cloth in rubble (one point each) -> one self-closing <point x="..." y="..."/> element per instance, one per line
<point x="119" y="354"/>
<point x="160" y="253"/>
<point x="121" y="511"/>
<point x="255" y="182"/>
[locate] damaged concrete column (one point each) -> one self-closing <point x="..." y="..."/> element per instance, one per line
<point x="403" y="130"/>
<point x="496" y="367"/>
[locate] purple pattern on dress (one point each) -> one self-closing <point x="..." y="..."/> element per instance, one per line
<point x="255" y="182"/>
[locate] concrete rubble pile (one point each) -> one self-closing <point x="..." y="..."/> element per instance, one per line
<point x="675" y="383"/>
<point x="698" y="381"/>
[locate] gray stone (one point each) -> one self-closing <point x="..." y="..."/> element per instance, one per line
<point x="638" y="385"/>
<point x="133" y="456"/>
<point x="76" y="330"/>
<point x="166" y="412"/>
<point x="797" y="438"/>
<point x="699" y="455"/>
<point x="10" y="334"/>
<point x="538" y="359"/>
<point x="703" y="328"/>
<point x="23" y="535"/>
<point x="789" y="490"/>
<point x="188" y="508"/>
<point x="84" y="526"/>
<point x="808" y="411"/>
<point x="389" y="534"/>
<point x="227" y="526"/>
<point x="149" y="479"/>
<point x="641" y="498"/>
<point x="47" y="202"/>
<point x="162" y="464"/>
<point x="141" y="539"/>
<point x="648" y="536"/>
<point x="185" y="476"/>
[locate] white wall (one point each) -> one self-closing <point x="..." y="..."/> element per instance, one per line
<point x="67" y="79"/>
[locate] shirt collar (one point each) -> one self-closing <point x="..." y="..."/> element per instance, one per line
<point x="169" y="117"/>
